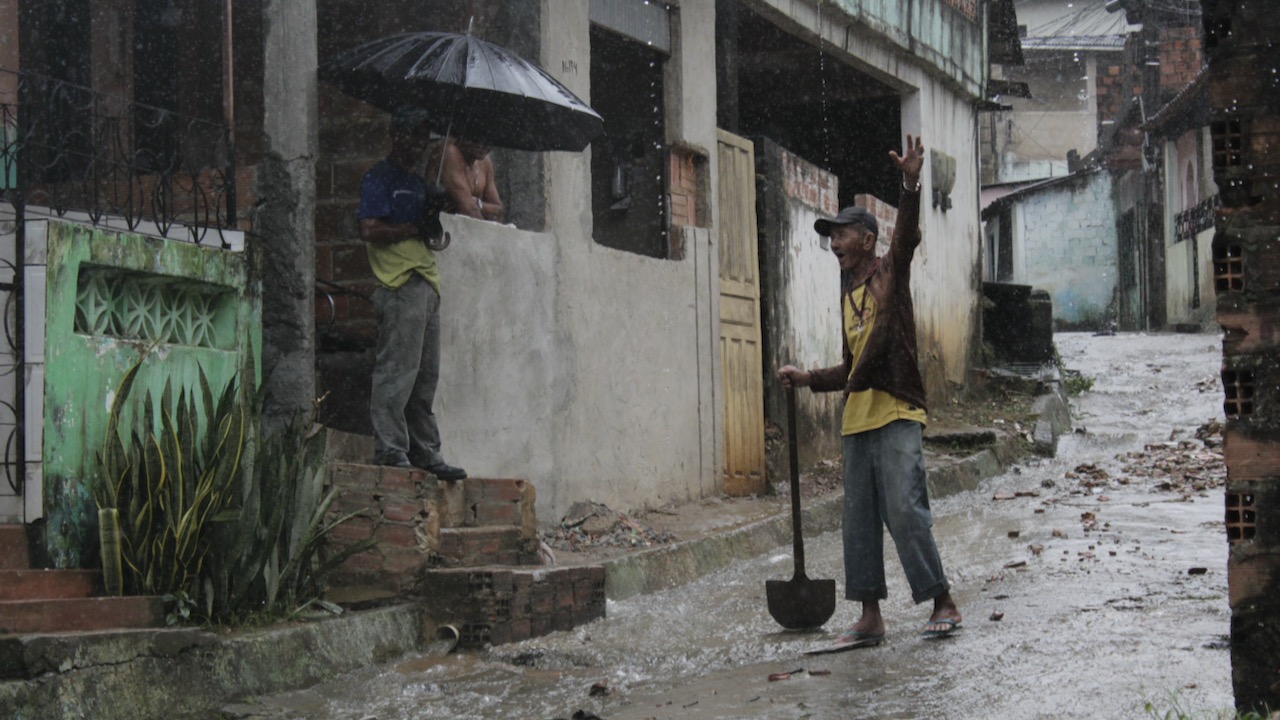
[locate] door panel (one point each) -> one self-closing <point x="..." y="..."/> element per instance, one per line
<point x="743" y="369"/>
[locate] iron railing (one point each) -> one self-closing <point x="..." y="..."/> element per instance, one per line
<point x="70" y="152"/>
<point x="66" y="148"/>
<point x="1195" y="220"/>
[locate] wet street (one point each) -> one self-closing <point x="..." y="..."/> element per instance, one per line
<point x="1091" y="583"/>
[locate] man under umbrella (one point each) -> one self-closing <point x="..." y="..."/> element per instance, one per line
<point x="407" y="301"/>
<point x="468" y="176"/>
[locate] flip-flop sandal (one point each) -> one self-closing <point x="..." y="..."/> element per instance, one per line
<point x="849" y="640"/>
<point x="939" y="634"/>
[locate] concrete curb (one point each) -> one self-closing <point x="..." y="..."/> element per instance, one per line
<point x="183" y="672"/>
<point x="192" y="673"/>
<point x="679" y="563"/>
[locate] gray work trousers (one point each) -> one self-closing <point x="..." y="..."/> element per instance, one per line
<point x="884" y="485"/>
<point x="405" y="374"/>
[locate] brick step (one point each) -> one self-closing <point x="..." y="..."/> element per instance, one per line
<point x="407" y="494"/>
<point x="418" y="522"/>
<point x="13" y="548"/>
<point x="497" y="605"/>
<point x="480" y="546"/>
<point x="48" y="584"/>
<point x="80" y="615"/>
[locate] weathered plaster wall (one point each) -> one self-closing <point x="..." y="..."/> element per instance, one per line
<point x="1189" y="262"/>
<point x="500" y="365"/>
<point x="82" y="371"/>
<point x="946" y="275"/>
<point x="1066" y="245"/>
<point x="801" y="288"/>
<point x="633" y="409"/>
<point x="285" y="215"/>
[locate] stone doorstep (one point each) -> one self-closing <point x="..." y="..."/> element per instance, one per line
<point x="80" y="614"/>
<point x="37" y="584"/>
<point x="14" y="553"/>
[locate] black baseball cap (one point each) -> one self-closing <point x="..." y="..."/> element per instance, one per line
<point x="848" y="216"/>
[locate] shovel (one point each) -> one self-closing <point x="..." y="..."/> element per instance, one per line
<point x="799" y="603"/>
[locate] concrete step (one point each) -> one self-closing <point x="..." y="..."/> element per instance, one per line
<point x="48" y="584"/>
<point x="14" y="554"/>
<point x="497" y="605"/>
<point x="80" y="614"/>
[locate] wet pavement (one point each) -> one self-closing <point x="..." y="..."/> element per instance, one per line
<point x="1105" y="565"/>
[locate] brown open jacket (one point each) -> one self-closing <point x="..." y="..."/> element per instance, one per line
<point x="889" y="362"/>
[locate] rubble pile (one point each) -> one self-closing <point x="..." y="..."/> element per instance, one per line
<point x="1183" y="466"/>
<point x="594" y="525"/>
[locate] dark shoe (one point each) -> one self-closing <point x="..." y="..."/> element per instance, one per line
<point x="445" y="471"/>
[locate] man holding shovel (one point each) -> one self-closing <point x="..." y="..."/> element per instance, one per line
<point x="884" y="415"/>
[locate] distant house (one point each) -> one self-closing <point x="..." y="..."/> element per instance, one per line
<point x="1114" y="87"/>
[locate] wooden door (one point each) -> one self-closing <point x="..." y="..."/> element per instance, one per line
<point x="744" y="464"/>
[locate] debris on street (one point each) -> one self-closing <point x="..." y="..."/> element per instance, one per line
<point x="590" y="524"/>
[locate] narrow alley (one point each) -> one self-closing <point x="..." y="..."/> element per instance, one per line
<point x="1092" y="584"/>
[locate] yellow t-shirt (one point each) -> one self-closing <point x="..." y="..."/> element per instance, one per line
<point x="869" y="409"/>
<point x="394" y="262"/>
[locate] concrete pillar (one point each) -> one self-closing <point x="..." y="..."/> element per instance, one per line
<point x="285" y="217"/>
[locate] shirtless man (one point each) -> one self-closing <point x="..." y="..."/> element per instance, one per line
<point x="468" y="179"/>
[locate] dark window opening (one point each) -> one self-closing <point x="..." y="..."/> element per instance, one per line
<point x="628" y="163"/>
<point x="1228" y="143"/>
<point x="56" y="46"/>
<point x="1004" y="250"/>
<point x="1241" y="517"/>
<point x="177" y="68"/>
<point x="1238" y="389"/>
<point x="1228" y="269"/>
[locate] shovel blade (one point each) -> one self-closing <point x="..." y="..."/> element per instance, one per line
<point x="801" y="603"/>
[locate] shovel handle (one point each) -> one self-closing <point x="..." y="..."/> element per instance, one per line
<point x="793" y="460"/>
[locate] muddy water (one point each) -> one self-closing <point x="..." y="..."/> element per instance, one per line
<point x="1099" y="613"/>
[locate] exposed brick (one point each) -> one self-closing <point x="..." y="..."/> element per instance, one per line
<point x="401" y="560"/>
<point x="400" y="481"/>
<point x="396" y="535"/>
<point x="351" y="532"/>
<point x="403" y="511"/>
<point x="497" y="513"/>
<point x="1252" y="577"/>
<point x="1250" y="455"/>
<point x="367" y="560"/>
<point x="350" y="262"/>
<point x="496" y="488"/>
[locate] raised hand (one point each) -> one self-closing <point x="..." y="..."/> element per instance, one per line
<point x="912" y="161"/>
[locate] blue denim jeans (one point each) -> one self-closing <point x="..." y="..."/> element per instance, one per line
<point x="405" y="374"/>
<point x="884" y="484"/>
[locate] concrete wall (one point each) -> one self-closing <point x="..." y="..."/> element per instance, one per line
<point x="635" y="414"/>
<point x="1189" y="262"/>
<point x="801" y="291"/>
<point x="946" y="274"/>
<point x="92" y="335"/>
<point x="1065" y="244"/>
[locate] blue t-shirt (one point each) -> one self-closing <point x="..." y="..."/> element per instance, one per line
<point x="392" y="193"/>
<point x="395" y="195"/>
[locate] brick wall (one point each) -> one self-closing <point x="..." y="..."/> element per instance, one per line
<point x="1181" y="57"/>
<point x="1246" y="268"/>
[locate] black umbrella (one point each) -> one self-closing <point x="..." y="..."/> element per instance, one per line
<point x="466" y="86"/>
